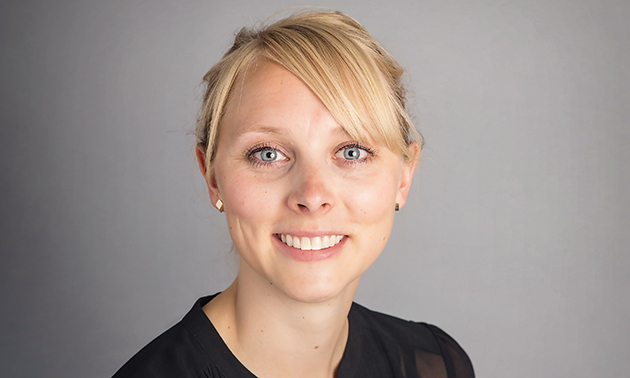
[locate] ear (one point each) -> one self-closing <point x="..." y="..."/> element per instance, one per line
<point x="407" y="174"/>
<point x="208" y="173"/>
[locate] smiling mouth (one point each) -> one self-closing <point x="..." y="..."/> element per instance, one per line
<point x="310" y="244"/>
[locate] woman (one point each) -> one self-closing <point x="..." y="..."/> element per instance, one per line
<point x="305" y="145"/>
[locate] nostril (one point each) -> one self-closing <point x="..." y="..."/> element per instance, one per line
<point x="307" y="207"/>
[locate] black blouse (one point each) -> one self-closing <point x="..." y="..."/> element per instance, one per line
<point x="379" y="346"/>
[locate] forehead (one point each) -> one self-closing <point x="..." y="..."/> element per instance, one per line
<point x="267" y="97"/>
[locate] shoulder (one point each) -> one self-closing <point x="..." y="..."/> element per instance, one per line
<point x="424" y="346"/>
<point x="175" y="353"/>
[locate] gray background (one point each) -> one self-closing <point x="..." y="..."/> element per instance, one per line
<point x="514" y="241"/>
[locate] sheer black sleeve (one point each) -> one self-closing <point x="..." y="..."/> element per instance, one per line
<point x="456" y="361"/>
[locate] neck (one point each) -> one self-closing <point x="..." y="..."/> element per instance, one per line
<point x="276" y="336"/>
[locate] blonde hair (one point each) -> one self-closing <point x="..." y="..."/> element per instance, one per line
<point x="351" y="73"/>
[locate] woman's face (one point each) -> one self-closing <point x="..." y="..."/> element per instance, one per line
<point x="285" y="169"/>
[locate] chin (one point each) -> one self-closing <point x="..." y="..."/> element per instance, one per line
<point x="307" y="290"/>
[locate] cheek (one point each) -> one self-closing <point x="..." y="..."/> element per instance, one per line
<point x="373" y="198"/>
<point x="373" y="211"/>
<point x="249" y="202"/>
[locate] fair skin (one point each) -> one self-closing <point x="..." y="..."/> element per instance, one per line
<point x="284" y="167"/>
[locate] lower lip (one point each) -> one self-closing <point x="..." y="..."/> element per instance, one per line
<point x="312" y="255"/>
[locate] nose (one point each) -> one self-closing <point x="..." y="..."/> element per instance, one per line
<point x="311" y="191"/>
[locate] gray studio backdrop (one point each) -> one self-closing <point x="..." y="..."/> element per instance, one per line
<point x="515" y="239"/>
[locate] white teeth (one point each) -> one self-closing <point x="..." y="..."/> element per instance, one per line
<point x="326" y="242"/>
<point x="305" y="244"/>
<point x="308" y="244"/>
<point x="316" y="244"/>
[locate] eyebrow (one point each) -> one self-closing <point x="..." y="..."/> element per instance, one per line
<point x="264" y="129"/>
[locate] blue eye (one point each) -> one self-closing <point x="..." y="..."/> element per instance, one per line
<point x="265" y="155"/>
<point x="268" y="155"/>
<point x="354" y="153"/>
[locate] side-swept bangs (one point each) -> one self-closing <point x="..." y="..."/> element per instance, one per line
<point x="354" y="77"/>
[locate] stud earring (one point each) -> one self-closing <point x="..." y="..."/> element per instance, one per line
<point x="219" y="205"/>
<point x="397" y="207"/>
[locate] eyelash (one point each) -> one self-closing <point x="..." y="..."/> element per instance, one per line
<point x="249" y="154"/>
<point x="371" y="153"/>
